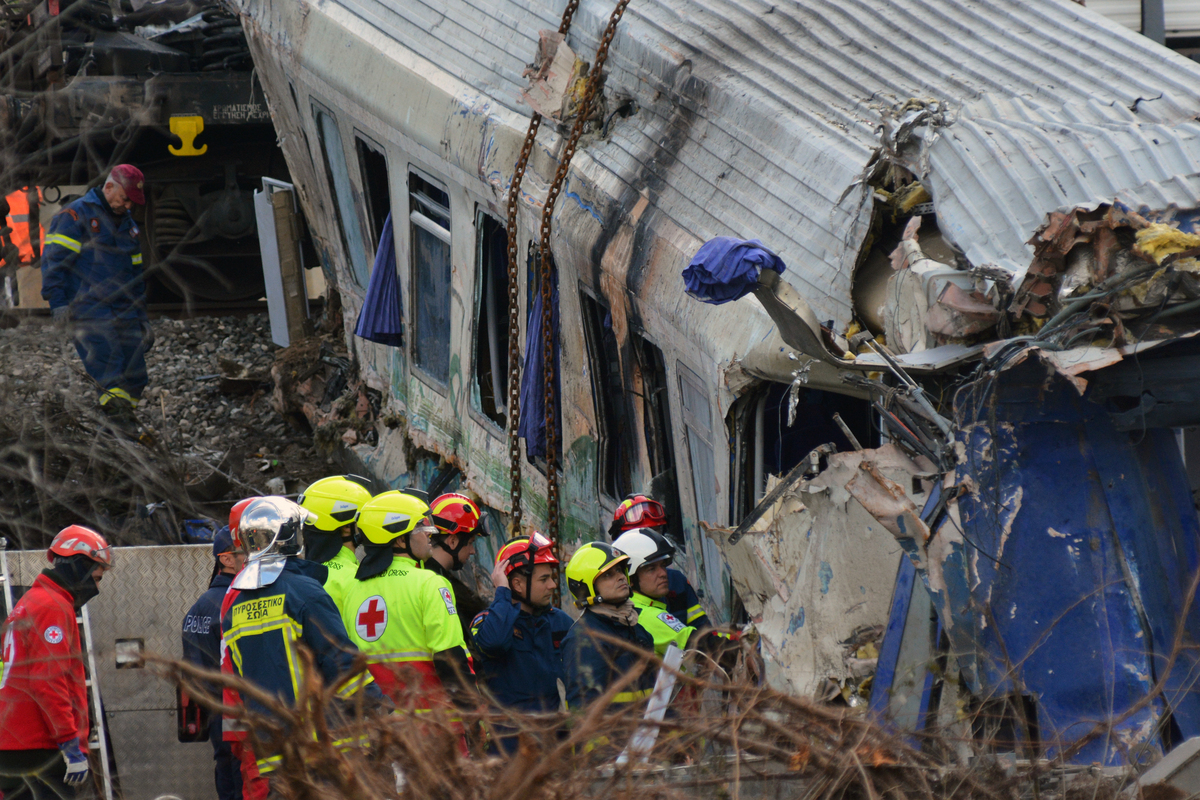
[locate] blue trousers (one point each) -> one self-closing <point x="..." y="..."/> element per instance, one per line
<point x="114" y="354"/>
<point x="228" y="770"/>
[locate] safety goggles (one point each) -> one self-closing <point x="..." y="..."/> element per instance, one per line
<point x="639" y="512"/>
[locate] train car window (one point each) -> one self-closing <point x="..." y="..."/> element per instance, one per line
<point x="339" y="178"/>
<point x="656" y="412"/>
<point x="429" y="214"/>
<point x="697" y="426"/>
<point x="614" y="453"/>
<point x="491" y="318"/>
<point x="372" y="165"/>
<point x="767" y="445"/>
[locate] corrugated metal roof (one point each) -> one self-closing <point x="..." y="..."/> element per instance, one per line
<point x="755" y="117"/>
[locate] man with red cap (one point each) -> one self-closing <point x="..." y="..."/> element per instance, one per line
<point x="92" y="278"/>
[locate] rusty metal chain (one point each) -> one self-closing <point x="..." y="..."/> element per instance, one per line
<point x="595" y="78"/>
<point x="514" y="300"/>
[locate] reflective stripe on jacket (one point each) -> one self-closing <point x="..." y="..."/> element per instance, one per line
<point x="43" y="695"/>
<point x="261" y="627"/>
<point x="592" y="665"/>
<point x="520" y="654"/>
<point x="683" y="602"/>
<point x="400" y="619"/>
<point x="663" y="626"/>
<point x="92" y="261"/>
<point x="341" y="576"/>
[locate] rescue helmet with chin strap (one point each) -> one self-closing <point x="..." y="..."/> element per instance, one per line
<point x="587" y="564"/>
<point x="524" y="552"/>
<point x="639" y="511"/>
<point x="389" y="515"/>
<point x="456" y="513"/>
<point x="79" y="540"/>
<point x="336" y="500"/>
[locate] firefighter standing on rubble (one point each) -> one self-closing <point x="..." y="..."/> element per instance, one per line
<point x="92" y="278"/>
<point x="519" y="637"/>
<point x="43" y="694"/>
<point x="202" y="647"/>
<point x="457" y="518"/>
<point x="329" y="540"/>
<point x="597" y="577"/>
<point x="276" y="602"/>
<point x="640" y="511"/>
<point x="402" y="616"/>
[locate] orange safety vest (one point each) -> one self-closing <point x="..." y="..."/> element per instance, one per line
<point x="26" y="233"/>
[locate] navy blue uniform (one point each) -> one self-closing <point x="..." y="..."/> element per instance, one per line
<point x="92" y="264"/>
<point x="261" y="628"/>
<point x="202" y="647"/>
<point x="592" y="665"/>
<point x="682" y="601"/>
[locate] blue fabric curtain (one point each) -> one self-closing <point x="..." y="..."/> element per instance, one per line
<point x="726" y="268"/>
<point x="382" y="319"/>
<point x="533" y="395"/>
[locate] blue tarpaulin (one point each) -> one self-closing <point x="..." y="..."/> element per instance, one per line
<point x="726" y="269"/>
<point x="533" y="394"/>
<point x="381" y="319"/>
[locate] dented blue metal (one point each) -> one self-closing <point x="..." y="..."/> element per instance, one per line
<point x="1061" y="570"/>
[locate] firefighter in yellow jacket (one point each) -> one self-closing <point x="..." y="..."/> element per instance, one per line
<point x="402" y="616"/>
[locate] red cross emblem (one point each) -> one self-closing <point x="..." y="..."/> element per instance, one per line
<point x="371" y="619"/>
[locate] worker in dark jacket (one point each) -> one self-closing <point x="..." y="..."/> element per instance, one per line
<point x="275" y="603"/>
<point x="92" y="279"/>
<point x="202" y="647"/>
<point x="597" y="579"/>
<point x="519" y="636"/>
<point x="640" y="511"/>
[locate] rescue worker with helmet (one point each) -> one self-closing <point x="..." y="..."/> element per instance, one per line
<point x="402" y="616"/>
<point x="519" y="636"/>
<point x="274" y="603"/>
<point x="597" y="577"/>
<point x="640" y="511"/>
<point x="329" y="540"/>
<point x="44" y="725"/>
<point x="92" y="279"/>
<point x="650" y="553"/>
<point x="202" y="647"/>
<point x="456" y="518"/>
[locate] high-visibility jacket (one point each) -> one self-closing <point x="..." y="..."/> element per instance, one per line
<point x="43" y="695"/>
<point x="341" y="575"/>
<point x="592" y="665"/>
<point x="683" y="602"/>
<point x="26" y="233"/>
<point x="92" y="262"/>
<point x="663" y="626"/>
<point x="261" y="628"/>
<point x="401" y="619"/>
<point x="520" y="654"/>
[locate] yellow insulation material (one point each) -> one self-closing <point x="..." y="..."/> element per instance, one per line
<point x="1159" y="241"/>
<point x="909" y="197"/>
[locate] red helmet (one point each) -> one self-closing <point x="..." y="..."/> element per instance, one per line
<point x="456" y="513"/>
<point x="76" y="540"/>
<point x="639" y="511"/>
<point x="235" y="519"/>
<point x="525" y="551"/>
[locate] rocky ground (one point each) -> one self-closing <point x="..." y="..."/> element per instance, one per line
<point x="207" y="413"/>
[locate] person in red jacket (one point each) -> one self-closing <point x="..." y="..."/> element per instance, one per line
<point x="43" y="695"/>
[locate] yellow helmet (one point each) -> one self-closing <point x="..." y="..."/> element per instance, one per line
<point x="390" y="515"/>
<point x="584" y="567"/>
<point x="335" y="500"/>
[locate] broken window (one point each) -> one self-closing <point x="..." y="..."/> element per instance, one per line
<point x="766" y="445"/>
<point x="533" y="384"/>
<point x="614" y="453"/>
<point x="697" y="426"/>
<point x="491" y="319"/>
<point x="372" y="164"/>
<point x="429" y="213"/>
<point x="656" y="419"/>
<point x="343" y="197"/>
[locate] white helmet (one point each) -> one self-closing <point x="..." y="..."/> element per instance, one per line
<point x="270" y="531"/>
<point x="644" y="546"/>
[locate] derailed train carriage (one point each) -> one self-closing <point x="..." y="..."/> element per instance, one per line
<point x="987" y="215"/>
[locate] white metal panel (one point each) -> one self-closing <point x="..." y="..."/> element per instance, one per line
<point x="1183" y="16"/>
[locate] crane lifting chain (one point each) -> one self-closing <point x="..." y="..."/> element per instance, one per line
<point x="544" y="263"/>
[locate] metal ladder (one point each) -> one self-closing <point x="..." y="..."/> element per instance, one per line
<point x="99" y="738"/>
